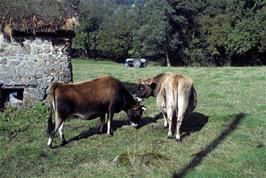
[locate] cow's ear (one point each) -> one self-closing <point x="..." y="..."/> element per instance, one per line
<point x="149" y="81"/>
<point x="141" y="80"/>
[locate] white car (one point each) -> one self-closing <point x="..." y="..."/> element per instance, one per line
<point x="134" y="62"/>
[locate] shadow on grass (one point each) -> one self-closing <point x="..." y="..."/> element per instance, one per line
<point x="96" y="130"/>
<point x="93" y="131"/>
<point x="191" y="123"/>
<point x="148" y="120"/>
<point x="194" y="122"/>
<point x="115" y="125"/>
<point x="198" y="157"/>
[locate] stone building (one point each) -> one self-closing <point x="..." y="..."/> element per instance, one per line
<point x="35" y="43"/>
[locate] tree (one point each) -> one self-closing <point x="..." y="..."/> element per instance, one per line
<point x="216" y="30"/>
<point x="114" y="38"/>
<point x="158" y="35"/>
<point x="154" y="34"/>
<point x="177" y="32"/>
<point x="249" y="36"/>
<point x="92" y="16"/>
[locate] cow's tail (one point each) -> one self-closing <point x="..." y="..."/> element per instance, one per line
<point x="50" y="127"/>
<point x="51" y="124"/>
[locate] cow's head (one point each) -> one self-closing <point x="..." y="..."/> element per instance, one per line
<point x="135" y="113"/>
<point x="145" y="88"/>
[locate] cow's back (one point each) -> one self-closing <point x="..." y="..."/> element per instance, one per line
<point x="100" y="90"/>
<point x="171" y="87"/>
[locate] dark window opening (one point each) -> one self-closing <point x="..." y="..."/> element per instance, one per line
<point x="12" y="95"/>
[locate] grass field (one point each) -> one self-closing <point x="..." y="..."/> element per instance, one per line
<point x="230" y="144"/>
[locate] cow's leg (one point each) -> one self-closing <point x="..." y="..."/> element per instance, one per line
<point x="165" y="123"/>
<point x="182" y="107"/>
<point x="58" y="122"/>
<point x="109" y="123"/>
<point x="169" y="119"/>
<point x="50" y="141"/>
<point x="102" y="120"/>
<point x="61" y="134"/>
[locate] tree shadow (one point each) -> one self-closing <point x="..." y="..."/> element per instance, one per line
<point x="198" y="157"/>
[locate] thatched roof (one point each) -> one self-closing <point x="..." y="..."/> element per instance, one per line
<point x="39" y="16"/>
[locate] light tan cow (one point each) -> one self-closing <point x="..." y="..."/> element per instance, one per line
<point x="175" y="94"/>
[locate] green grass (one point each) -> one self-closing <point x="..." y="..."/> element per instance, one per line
<point x="229" y="144"/>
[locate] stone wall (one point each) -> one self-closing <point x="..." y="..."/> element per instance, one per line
<point x="34" y="63"/>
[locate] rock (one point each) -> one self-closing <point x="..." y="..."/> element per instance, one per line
<point x="3" y="61"/>
<point x="115" y="161"/>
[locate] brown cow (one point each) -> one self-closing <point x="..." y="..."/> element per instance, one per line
<point x="175" y="94"/>
<point x="89" y="100"/>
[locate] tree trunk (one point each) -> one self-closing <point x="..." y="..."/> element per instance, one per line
<point x="229" y="61"/>
<point x="167" y="60"/>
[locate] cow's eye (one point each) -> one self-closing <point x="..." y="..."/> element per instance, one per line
<point x="142" y="87"/>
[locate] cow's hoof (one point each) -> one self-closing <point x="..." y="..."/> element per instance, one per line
<point x="50" y="146"/>
<point x="103" y="129"/>
<point x="110" y="135"/>
<point x="179" y="140"/>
